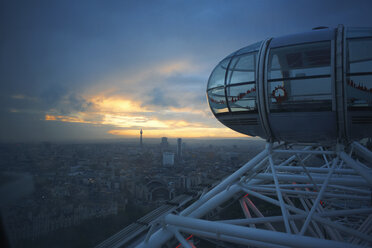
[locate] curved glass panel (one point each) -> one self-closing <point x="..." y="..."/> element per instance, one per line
<point x="299" y="78"/>
<point x="217" y="77"/>
<point x="313" y="94"/>
<point x="360" y="55"/>
<point x="359" y="71"/>
<point x="250" y="48"/>
<point x="300" y="60"/>
<point x="359" y="92"/>
<point x="312" y="36"/>
<point x="242" y="69"/>
<point x="358" y="32"/>
<point x="242" y="97"/>
<point x="217" y="100"/>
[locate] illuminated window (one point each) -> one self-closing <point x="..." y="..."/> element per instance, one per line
<point x="359" y="71"/>
<point x="217" y="100"/>
<point x="242" y="69"/>
<point x="240" y="82"/>
<point x="299" y="77"/>
<point x="217" y="77"/>
<point x="242" y="97"/>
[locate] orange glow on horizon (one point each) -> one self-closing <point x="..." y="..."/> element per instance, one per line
<point x="130" y="121"/>
<point x="50" y="118"/>
<point x="117" y="105"/>
<point x="181" y="132"/>
<point x="126" y="117"/>
<point x="67" y="119"/>
<point x="174" y="66"/>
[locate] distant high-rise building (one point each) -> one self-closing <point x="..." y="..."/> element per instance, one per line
<point x="164" y="143"/>
<point x="179" y="149"/>
<point x="168" y="158"/>
<point x="141" y="132"/>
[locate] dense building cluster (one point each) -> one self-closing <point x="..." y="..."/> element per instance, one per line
<point x="63" y="185"/>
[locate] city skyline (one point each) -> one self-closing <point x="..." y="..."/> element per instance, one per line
<point x="92" y="70"/>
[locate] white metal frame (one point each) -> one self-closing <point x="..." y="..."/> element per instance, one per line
<point x="323" y="194"/>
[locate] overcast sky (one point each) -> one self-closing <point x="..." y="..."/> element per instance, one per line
<point x="77" y="70"/>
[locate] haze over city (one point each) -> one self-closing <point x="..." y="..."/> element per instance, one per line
<point x="97" y="70"/>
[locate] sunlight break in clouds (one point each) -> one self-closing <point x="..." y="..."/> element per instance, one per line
<point x="127" y="117"/>
<point x="65" y="118"/>
<point x="138" y="80"/>
<point x="116" y="105"/>
<point x="132" y="121"/>
<point x="142" y="99"/>
<point x="188" y="132"/>
<point x="123" y="113"/>
<point x="176" y="66"/>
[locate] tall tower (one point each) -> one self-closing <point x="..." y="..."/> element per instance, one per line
<point x="179" y="149"/>
<point x="141" y="132"/>
<point x="164" y="143"/>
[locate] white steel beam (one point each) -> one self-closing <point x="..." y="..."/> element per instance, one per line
<point x="196" y="225"/>
<point x="291" y="222"/>
<point x="361" y="169"/>
<point x="315" y="216"/>
<point x="280" y="197"/>
<point x="218" y="236"/>
<point x="345" y="191"/>
<point x="180" y="238"/>
<point x="258" y="212"/>
<point x="298" y="193"/>
<point x="314" y="169"/>
<point x="247" y="214"/>
<point x="320" y="195"/>
<point x="340" y="180"/>
<point x="334" y="213"/>
<point x="304" y="151"/>
<point x="229" y="180"/>
<point x="364" y="152"/>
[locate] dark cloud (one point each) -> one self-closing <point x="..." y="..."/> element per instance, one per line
<point x="31" y="127"/>
<point x="159" y="97"/>
<point x="190" y="81"/>
<point x="63" y="101"/>
<point x="78" y="103"/>
<point x="53" y="95"/>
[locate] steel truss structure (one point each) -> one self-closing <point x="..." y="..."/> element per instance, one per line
<point x="318" y="197"/>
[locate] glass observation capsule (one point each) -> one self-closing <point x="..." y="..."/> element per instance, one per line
<point x="308" y="87"/>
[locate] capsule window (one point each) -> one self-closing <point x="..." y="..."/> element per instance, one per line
<point x="218" y="75"/>
<point x="242" y="97"/>
<point x="242" y="69"/>
<point x="299" y="77"/>
<point x="217" y="100"/>
<point x="359" y="73"/>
